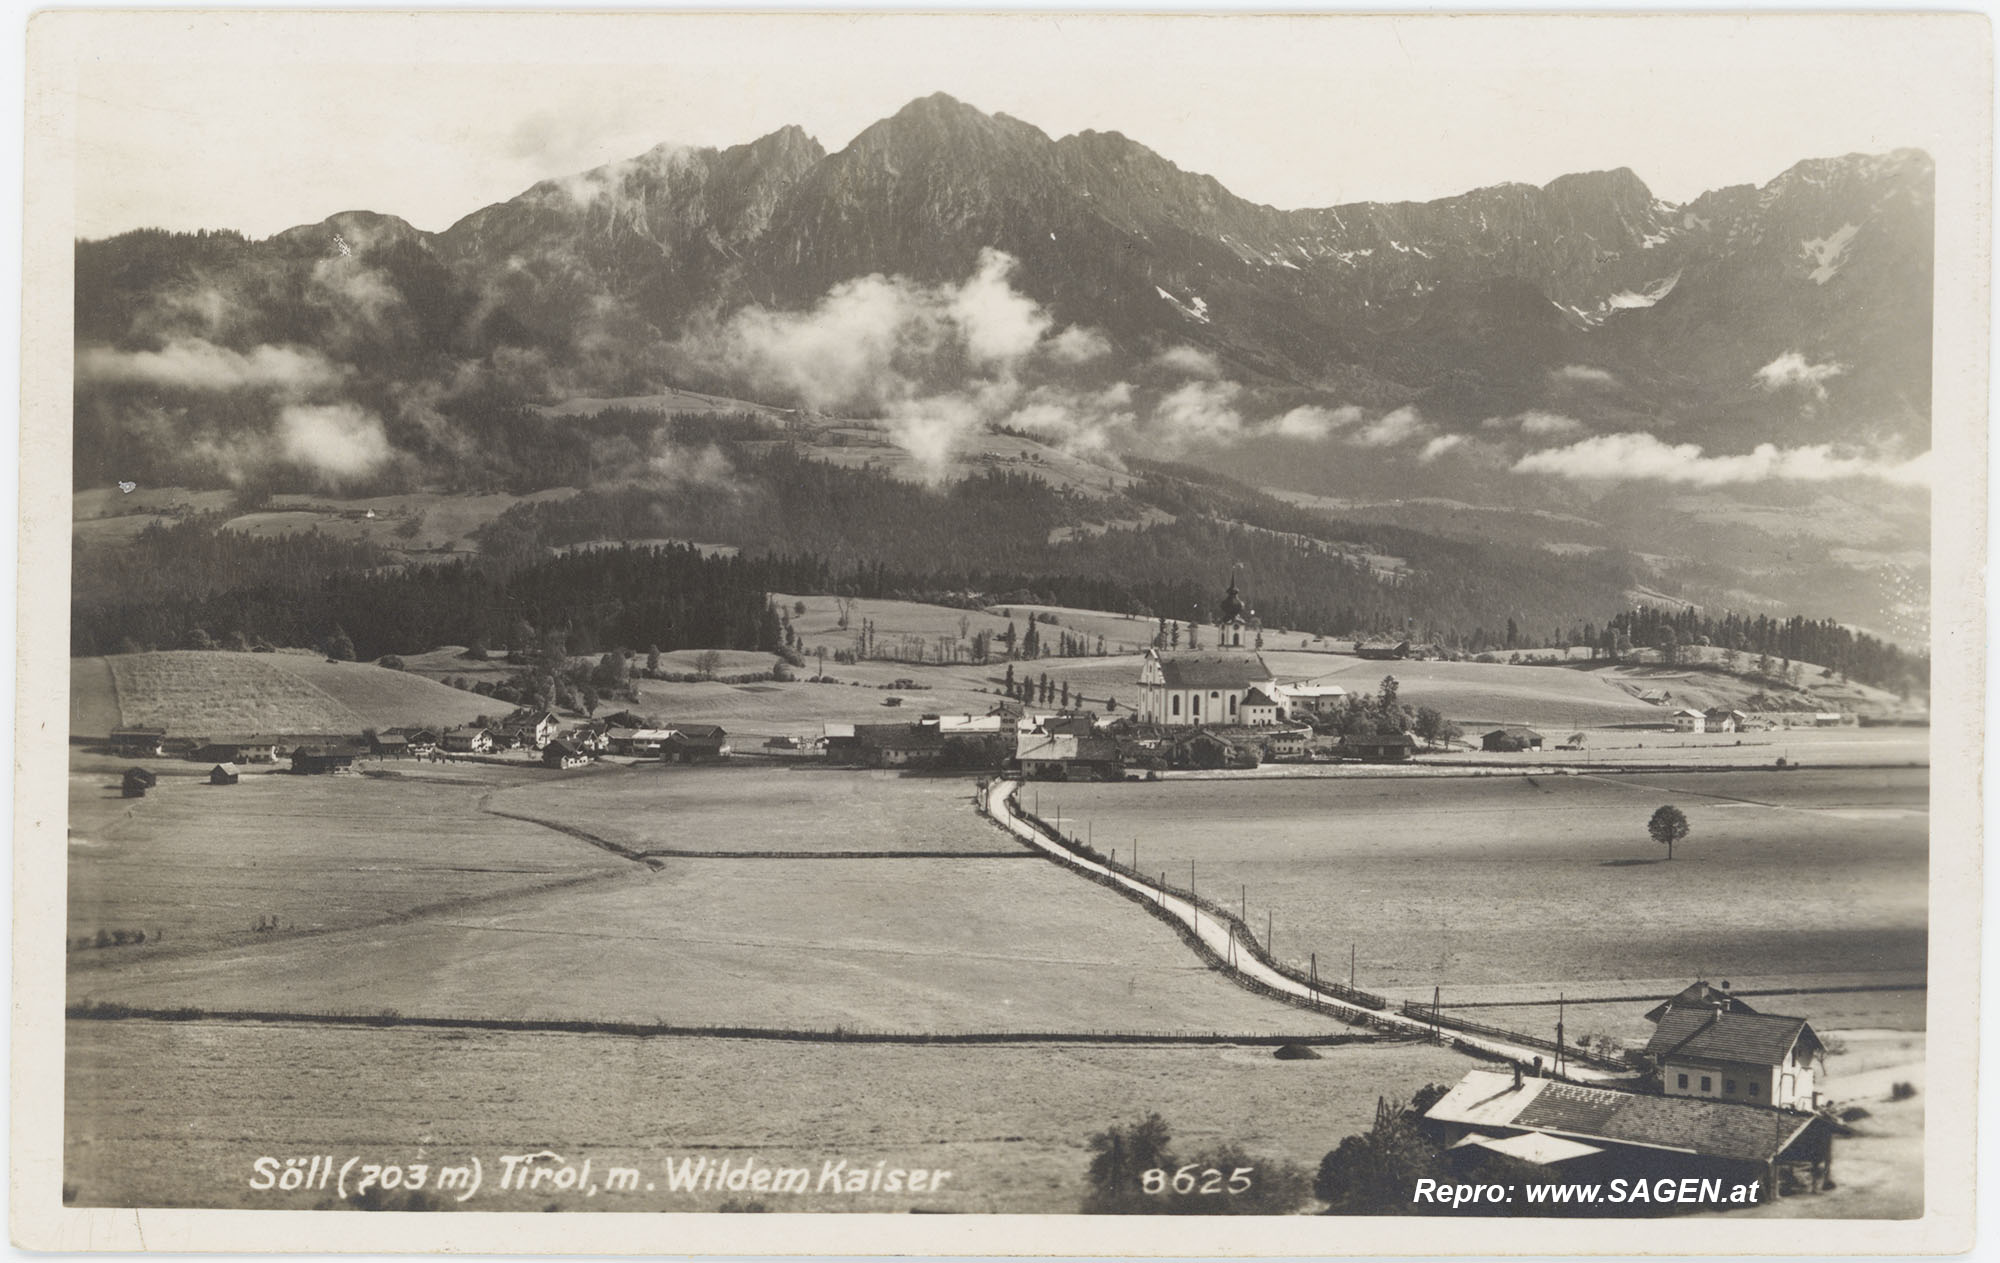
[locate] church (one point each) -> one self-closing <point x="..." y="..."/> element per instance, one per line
<point x="1229" y="686"/>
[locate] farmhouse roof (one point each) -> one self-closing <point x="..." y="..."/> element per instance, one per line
<point x="1718" y="1129"/>
<point x="837" y="732"/>
<point x="1533" y="1146"/>
<point x="1213" y="671"/>
<point x="1379" y="740"/>
<point x="1698" y="992"/>
<point x="138" y="732"/>
<point x="1312" y="690"/>
<point x="1705" y="1034"/>
<point x="697" y="732"/>
<point x="1515" y="730"/>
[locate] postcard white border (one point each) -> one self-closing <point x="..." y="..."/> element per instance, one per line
<point x="1957" y="47"/>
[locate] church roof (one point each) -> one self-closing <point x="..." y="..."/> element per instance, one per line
<point x="1214" y="670"/>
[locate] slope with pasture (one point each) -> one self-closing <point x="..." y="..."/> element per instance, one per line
<point x="215" y="692"/>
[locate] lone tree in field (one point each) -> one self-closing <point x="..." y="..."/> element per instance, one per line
<point x="1668" y="826"/>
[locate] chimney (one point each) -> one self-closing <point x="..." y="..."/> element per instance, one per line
<point x="1517" y="1076"/>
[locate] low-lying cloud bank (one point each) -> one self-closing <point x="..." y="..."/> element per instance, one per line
<point x="1644" y="458"/>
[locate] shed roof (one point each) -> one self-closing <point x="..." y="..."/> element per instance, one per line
<point x="1214" y="671"/>
<point x="1718" y="1129"/>
<point x="1514" y="730"/>
<point x="1379" y="740"/>
<point x="1711" y="1034"/>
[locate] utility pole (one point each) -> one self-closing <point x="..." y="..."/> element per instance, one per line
<point x="1350" y="966"/>
<point x="1191" y="886"/>
<point x="1267" y="933"/>
<point x="1561" y="1054"/>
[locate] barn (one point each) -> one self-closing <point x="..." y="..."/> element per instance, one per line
<point x="224" y="774"/>
<point x="317" y="760"/>
<point x="1390" y="747"/>
<point x="1511" y="739"/>
<point x="134" y="743"/>
<point x="137" y="781"/>
<point x="1592" y="1133"/>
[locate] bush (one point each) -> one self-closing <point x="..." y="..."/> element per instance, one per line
<point x="1126" y="1162"/>
<point x="390" y="661"/>
<point x="1902" y="1090"/>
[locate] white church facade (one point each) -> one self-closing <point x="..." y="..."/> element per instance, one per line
<point x="1229" y="686"/>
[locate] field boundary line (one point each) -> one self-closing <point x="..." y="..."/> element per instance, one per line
<point x="88" y="1011"/>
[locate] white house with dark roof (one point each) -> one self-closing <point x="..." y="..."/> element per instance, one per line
<point x="1178" y="690"/>
<point x="1752" y="1058"/>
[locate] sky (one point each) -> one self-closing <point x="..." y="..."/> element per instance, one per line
<point x="261" y="122"/>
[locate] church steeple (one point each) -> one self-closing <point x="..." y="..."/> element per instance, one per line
<point x="1230" y="620"/>
<point x="1232" y="601"/>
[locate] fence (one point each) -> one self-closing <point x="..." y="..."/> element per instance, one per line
<point x="1435" y="1017"/>
<point x="1247" y="940"/>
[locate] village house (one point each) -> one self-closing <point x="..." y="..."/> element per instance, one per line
<point x="696" y="743"/>
<point x="1289" y="743"/>
<point x="1378" y="747"/>
<point x="538" y="728"/>
<point x="467" y="741"/>
<point x="561" y="754"/>
<point x="1721" y="719"/>
<point x="640" y="743"/>
<point x="842" y="743"/>
<point x="1317" y="700"/>
<point x="419" y="741"/>
<point x="1714" y="1052"/>
<point x="1066" y="756"/>
<point x="900" y="745"/>
<point x="236" y="750"/>
<point x="390" y="746"/>
<point x="135" y="743"/>
<point x="1698" y="994"/>
<point x="316" y="760"/>
<point x="1658" y="697"/>
<point x="1511" y="739"/>
<point x="1593" y="1133"/>
<point x="1687" y="719"/>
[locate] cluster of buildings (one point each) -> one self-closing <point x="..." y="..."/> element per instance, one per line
<point x="1730" y="1096"/>
<point x="539" y="733"/>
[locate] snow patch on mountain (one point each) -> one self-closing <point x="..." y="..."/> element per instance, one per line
<point x="1828" y="253"/>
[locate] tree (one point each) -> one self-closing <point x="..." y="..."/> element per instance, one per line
<point x="1668" y="826"/>
<point x="339" y="645"/>
<point x="1429" y="725"/>
<point x="652" y="659"/>
<point x="707" y="663"/>
<point x="798" y="609"/>
<point x="1373" y="1173"/>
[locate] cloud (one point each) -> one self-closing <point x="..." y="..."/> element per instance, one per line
<point x="1439" y="446"/>
<point x="1190" y="361"/>
<point x="1644" y="458"/>
<point x="1079" y="345"/>
<point x="1392" y="429"/>
<point x="999" y="325"/>
<point x="194" y="364"/>
<point x="1792" y="371"/>
<point x="1083" y="423"/>
<point x="1312" y="421"/>
<point x="1198" y="413"/>
<point x="340" y="442"/>
<point x="1584" y="375"/>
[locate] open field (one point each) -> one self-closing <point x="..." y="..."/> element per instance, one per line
<point x="215" y="693"/>
<point x="763" y="808"/>
<point x="203" y="863"/>
<point x="893" y="944"/>
<point x="1011" y="1122"/>
<point x="1499" y="881"/>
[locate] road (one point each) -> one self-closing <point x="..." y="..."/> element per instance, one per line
<point x="1220" y="937"/>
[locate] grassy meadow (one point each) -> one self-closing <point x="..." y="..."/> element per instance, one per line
<point x="1011" y="1122"/>
<point x="204" y="863"/>
<point x="217" y="693"/>
<point x="1495" y="882"/>
<point x="763" y="808"/>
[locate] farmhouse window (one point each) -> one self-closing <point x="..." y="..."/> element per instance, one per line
<point x="1729" y="1086"/>
<point x="1753" y="1087"/>
<point x="1684" y="1082"/>
<point x="1707" y="1084"/>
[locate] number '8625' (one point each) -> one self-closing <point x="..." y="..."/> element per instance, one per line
<point x="1196" y="1181"/>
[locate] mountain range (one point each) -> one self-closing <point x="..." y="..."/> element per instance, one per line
<point x="952" y="264"/>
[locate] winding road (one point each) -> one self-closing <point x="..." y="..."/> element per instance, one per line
<point x="1241" y="959"/>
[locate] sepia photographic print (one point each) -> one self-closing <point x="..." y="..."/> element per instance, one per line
<point x="1001" y="634"/>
